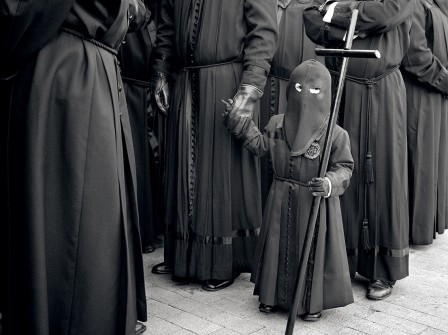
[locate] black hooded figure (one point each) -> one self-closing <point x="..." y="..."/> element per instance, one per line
<point x="294" y="143"/>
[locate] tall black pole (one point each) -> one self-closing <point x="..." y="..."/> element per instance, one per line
<point x="300" y="279"/>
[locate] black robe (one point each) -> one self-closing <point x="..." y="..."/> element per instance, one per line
<point x="74" y="262"/>
<point x="373" y="111"/>
<point x="426" y="78"/>
<point x="285" y="220"/>
<point x="148" y="128"/>
<point x="213" y="186"/>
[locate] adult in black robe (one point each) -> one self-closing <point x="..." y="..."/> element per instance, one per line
<point x="148" y="128"/>
<point x="213" y="186"/>
<point x="373" y="111"/>
<point x="73" y="263"/>
<point x="425" y="72"/>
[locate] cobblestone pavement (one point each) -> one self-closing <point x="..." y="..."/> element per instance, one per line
<point x="418" y="304"/>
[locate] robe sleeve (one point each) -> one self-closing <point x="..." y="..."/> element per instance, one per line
<point x="340" y="164"/>
<point x="246" y="130"/>
<point x="138" y="15"/>
<point x="261" y="41"/>
<point x="25" y="27"/>
<point x="165" y="51"/>
<point x="419" y="60"/>
<point x="317" y="30"/>
<point x="374" y="17"/>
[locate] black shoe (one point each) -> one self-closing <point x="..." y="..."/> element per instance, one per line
<point x="148" y="249"/>
<point x="161" y="269"/>
<point x="311" y="317"/>
<point x="378" y="290"/>
<point x="216" y="285"/>
<point x="268" y="309"/>
<point x="139" y="328"/>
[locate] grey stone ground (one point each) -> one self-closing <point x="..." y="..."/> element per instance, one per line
<point x="418" y="304"/>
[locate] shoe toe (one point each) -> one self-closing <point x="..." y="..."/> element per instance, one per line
<point x="379" y="290"/>
<point x="216" y="285"/>
<point x="268" y="309"/>
<point x="139" y="328"/>
<point x="161" y="269"/>
<point x="148" y="249"/>
<point x="311" y="317"/>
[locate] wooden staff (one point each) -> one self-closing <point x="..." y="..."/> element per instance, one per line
<point x="304" y="259"/>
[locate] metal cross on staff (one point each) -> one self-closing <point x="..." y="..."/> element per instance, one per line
<point x="304" y="259"/>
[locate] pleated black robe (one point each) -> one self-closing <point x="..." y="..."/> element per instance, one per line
<point x="74" y="262"/>
<point x="373" y="111"/>
<point x="213" y="186"/>
<point x="148" y="128"/>
<point x="426" y="78"/>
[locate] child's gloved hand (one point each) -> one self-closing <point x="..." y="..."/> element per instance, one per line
<point x="320" y="187"/>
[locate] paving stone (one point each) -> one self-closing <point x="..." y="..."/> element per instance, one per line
<point x="393" y="322"/>
<point x="432" y="331"/>
<point x="198" y="294"/>
<point x="233" y="307"/>
<point x="163" y="295"/>
<point x="161" y="310"/>
<point x="194" y="323"/>
<point x="244" y="326"/>
<point x="225" y="331"/>
<point x="350" y="331"/>
<point x="183" y="332"/>
<point x="265" y="331"/>
<point x="158" y="326"/>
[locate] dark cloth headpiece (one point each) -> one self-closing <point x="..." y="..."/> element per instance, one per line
<point x="309" y="101"/>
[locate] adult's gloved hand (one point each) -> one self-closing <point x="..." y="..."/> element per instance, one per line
<point x="160" y="89"/>
<point x="320" y="187"/>
<point x="245" y="99"/>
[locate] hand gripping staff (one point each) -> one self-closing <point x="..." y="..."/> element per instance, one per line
<point x="304" y="259"/>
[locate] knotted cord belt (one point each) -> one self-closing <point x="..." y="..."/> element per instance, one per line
<point x="368" y="167"/>
<point x="292" y="181"/>
<point x="136" y="81"/>
<point x="91" y="40"/>
<point x="203" y="66"/>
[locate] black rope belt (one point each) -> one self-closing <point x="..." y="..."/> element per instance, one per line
<point x="91" y="40"/>
<point x="368" y="81"/>
<point x="278" y="77"/>
<point x="195" y="67"/>
<point x="136" y="81"/>
<point x="292" y="181"/>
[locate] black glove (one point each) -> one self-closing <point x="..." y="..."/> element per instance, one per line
<point x="232" y="119"/>
<point x="319" y="187"/>
<point x="160" y="89"/>
<point x="245" y="99"/>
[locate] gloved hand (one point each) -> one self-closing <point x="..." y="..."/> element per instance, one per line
<point x="232" y="120"/>
<point x="320" y="187"/>
<point x="161" y="91"/>
<point x="245" y="99"/>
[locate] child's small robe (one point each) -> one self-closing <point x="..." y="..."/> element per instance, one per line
<point x="286" y="216"/>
